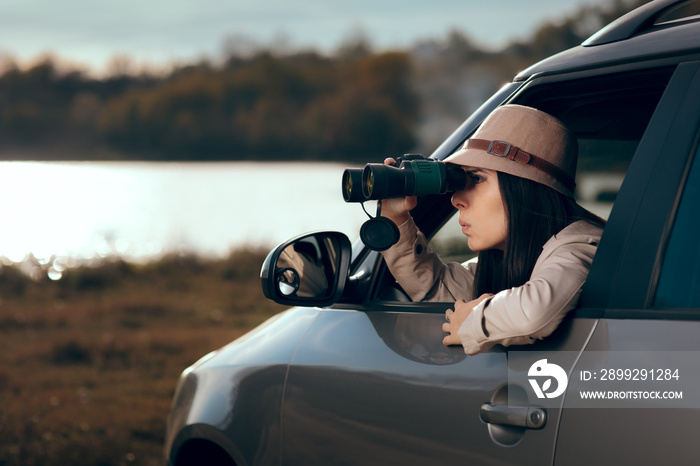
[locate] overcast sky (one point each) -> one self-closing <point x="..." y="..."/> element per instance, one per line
<point x="158" y="31"/>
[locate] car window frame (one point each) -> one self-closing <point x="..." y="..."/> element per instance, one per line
<point x="619" y="77"/>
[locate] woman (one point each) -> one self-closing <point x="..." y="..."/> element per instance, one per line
<point x="535" y="243"/>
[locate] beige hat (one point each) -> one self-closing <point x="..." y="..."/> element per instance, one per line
<point x="524" y="142"/>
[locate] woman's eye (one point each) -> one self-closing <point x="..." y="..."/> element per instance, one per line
<point x="474" y="178"/>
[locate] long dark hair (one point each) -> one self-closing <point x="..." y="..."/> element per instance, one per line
<point x="535" y="213"/>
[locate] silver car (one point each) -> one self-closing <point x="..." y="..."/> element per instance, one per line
<point x="355" y="373"/>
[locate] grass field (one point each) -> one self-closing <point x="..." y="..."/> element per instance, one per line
<point x="89" y="363"/>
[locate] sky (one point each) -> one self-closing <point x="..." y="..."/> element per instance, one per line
<point x="91" y="33"/>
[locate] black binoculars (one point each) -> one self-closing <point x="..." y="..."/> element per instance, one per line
<point x="412" y="175"/>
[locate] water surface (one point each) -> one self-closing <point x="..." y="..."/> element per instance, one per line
<point x="141" y="210"/>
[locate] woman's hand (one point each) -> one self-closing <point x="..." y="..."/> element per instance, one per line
<point x="456" y="318"/>
<point x="397" y="209"/>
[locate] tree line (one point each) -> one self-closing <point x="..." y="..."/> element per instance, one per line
<point x="354" y="105"/>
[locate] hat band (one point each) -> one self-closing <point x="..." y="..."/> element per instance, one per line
<point x="503" y="149"/>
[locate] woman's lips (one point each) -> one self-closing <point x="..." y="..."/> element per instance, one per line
<point x="465" y="227"/>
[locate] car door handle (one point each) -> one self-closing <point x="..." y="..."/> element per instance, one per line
<point x="530" y="417"/>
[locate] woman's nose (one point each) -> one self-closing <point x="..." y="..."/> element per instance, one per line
<point x="459" y="199"/>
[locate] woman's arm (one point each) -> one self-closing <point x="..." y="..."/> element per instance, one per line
<point x="524" y="314"/>
<point x="421" y="273"/>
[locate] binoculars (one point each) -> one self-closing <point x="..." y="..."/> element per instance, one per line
<point x="412" y="175"/>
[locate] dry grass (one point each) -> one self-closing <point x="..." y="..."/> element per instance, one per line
<point x="90" y="363"/>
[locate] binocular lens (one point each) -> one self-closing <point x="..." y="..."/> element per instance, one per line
<point x="369" y="184"/>
<point x="348" y="185"/>
<point x="352" y="185"/>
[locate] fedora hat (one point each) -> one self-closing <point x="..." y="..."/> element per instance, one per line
<point x="524" y="142"/>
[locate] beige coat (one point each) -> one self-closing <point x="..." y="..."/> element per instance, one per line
<point x="516" y="316"/>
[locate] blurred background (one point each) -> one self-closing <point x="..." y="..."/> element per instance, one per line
<point x="151" y="153"/>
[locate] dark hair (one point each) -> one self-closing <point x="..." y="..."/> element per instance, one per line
<point x="535" y="213"/>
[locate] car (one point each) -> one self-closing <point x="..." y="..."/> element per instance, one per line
<point x="356" y="373"/>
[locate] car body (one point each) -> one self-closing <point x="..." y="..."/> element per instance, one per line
<point x="355" y="373"/>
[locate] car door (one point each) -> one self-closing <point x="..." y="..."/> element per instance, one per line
<point x="646" y="292"/>
<point x="376" y="386"/>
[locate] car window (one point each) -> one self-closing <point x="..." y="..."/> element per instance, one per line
<point x="679" y="282"/>
<point x="609" y="115"/>
<point x="685" y="11"/>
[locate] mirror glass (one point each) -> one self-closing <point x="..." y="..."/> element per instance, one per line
<point x="287" y="281"/>
<point x="307" y="267"/>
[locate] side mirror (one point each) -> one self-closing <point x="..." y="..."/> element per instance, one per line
<point x="311" y="269"/>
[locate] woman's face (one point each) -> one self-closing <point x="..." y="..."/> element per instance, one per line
<point x="482" y="214"/>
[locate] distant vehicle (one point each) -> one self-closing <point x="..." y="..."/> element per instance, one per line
<point x="357" y="374"/>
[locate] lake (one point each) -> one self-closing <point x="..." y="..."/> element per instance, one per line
<point x="141" y="210"/>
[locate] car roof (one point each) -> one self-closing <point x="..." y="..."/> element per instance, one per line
<point x="641" y="35"/>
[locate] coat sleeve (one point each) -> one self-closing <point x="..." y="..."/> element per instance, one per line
<point x="526" y="313"/>
<point x="421" y="273"/>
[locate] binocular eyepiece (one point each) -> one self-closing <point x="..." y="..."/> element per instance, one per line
<point x="415" y="175"/>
